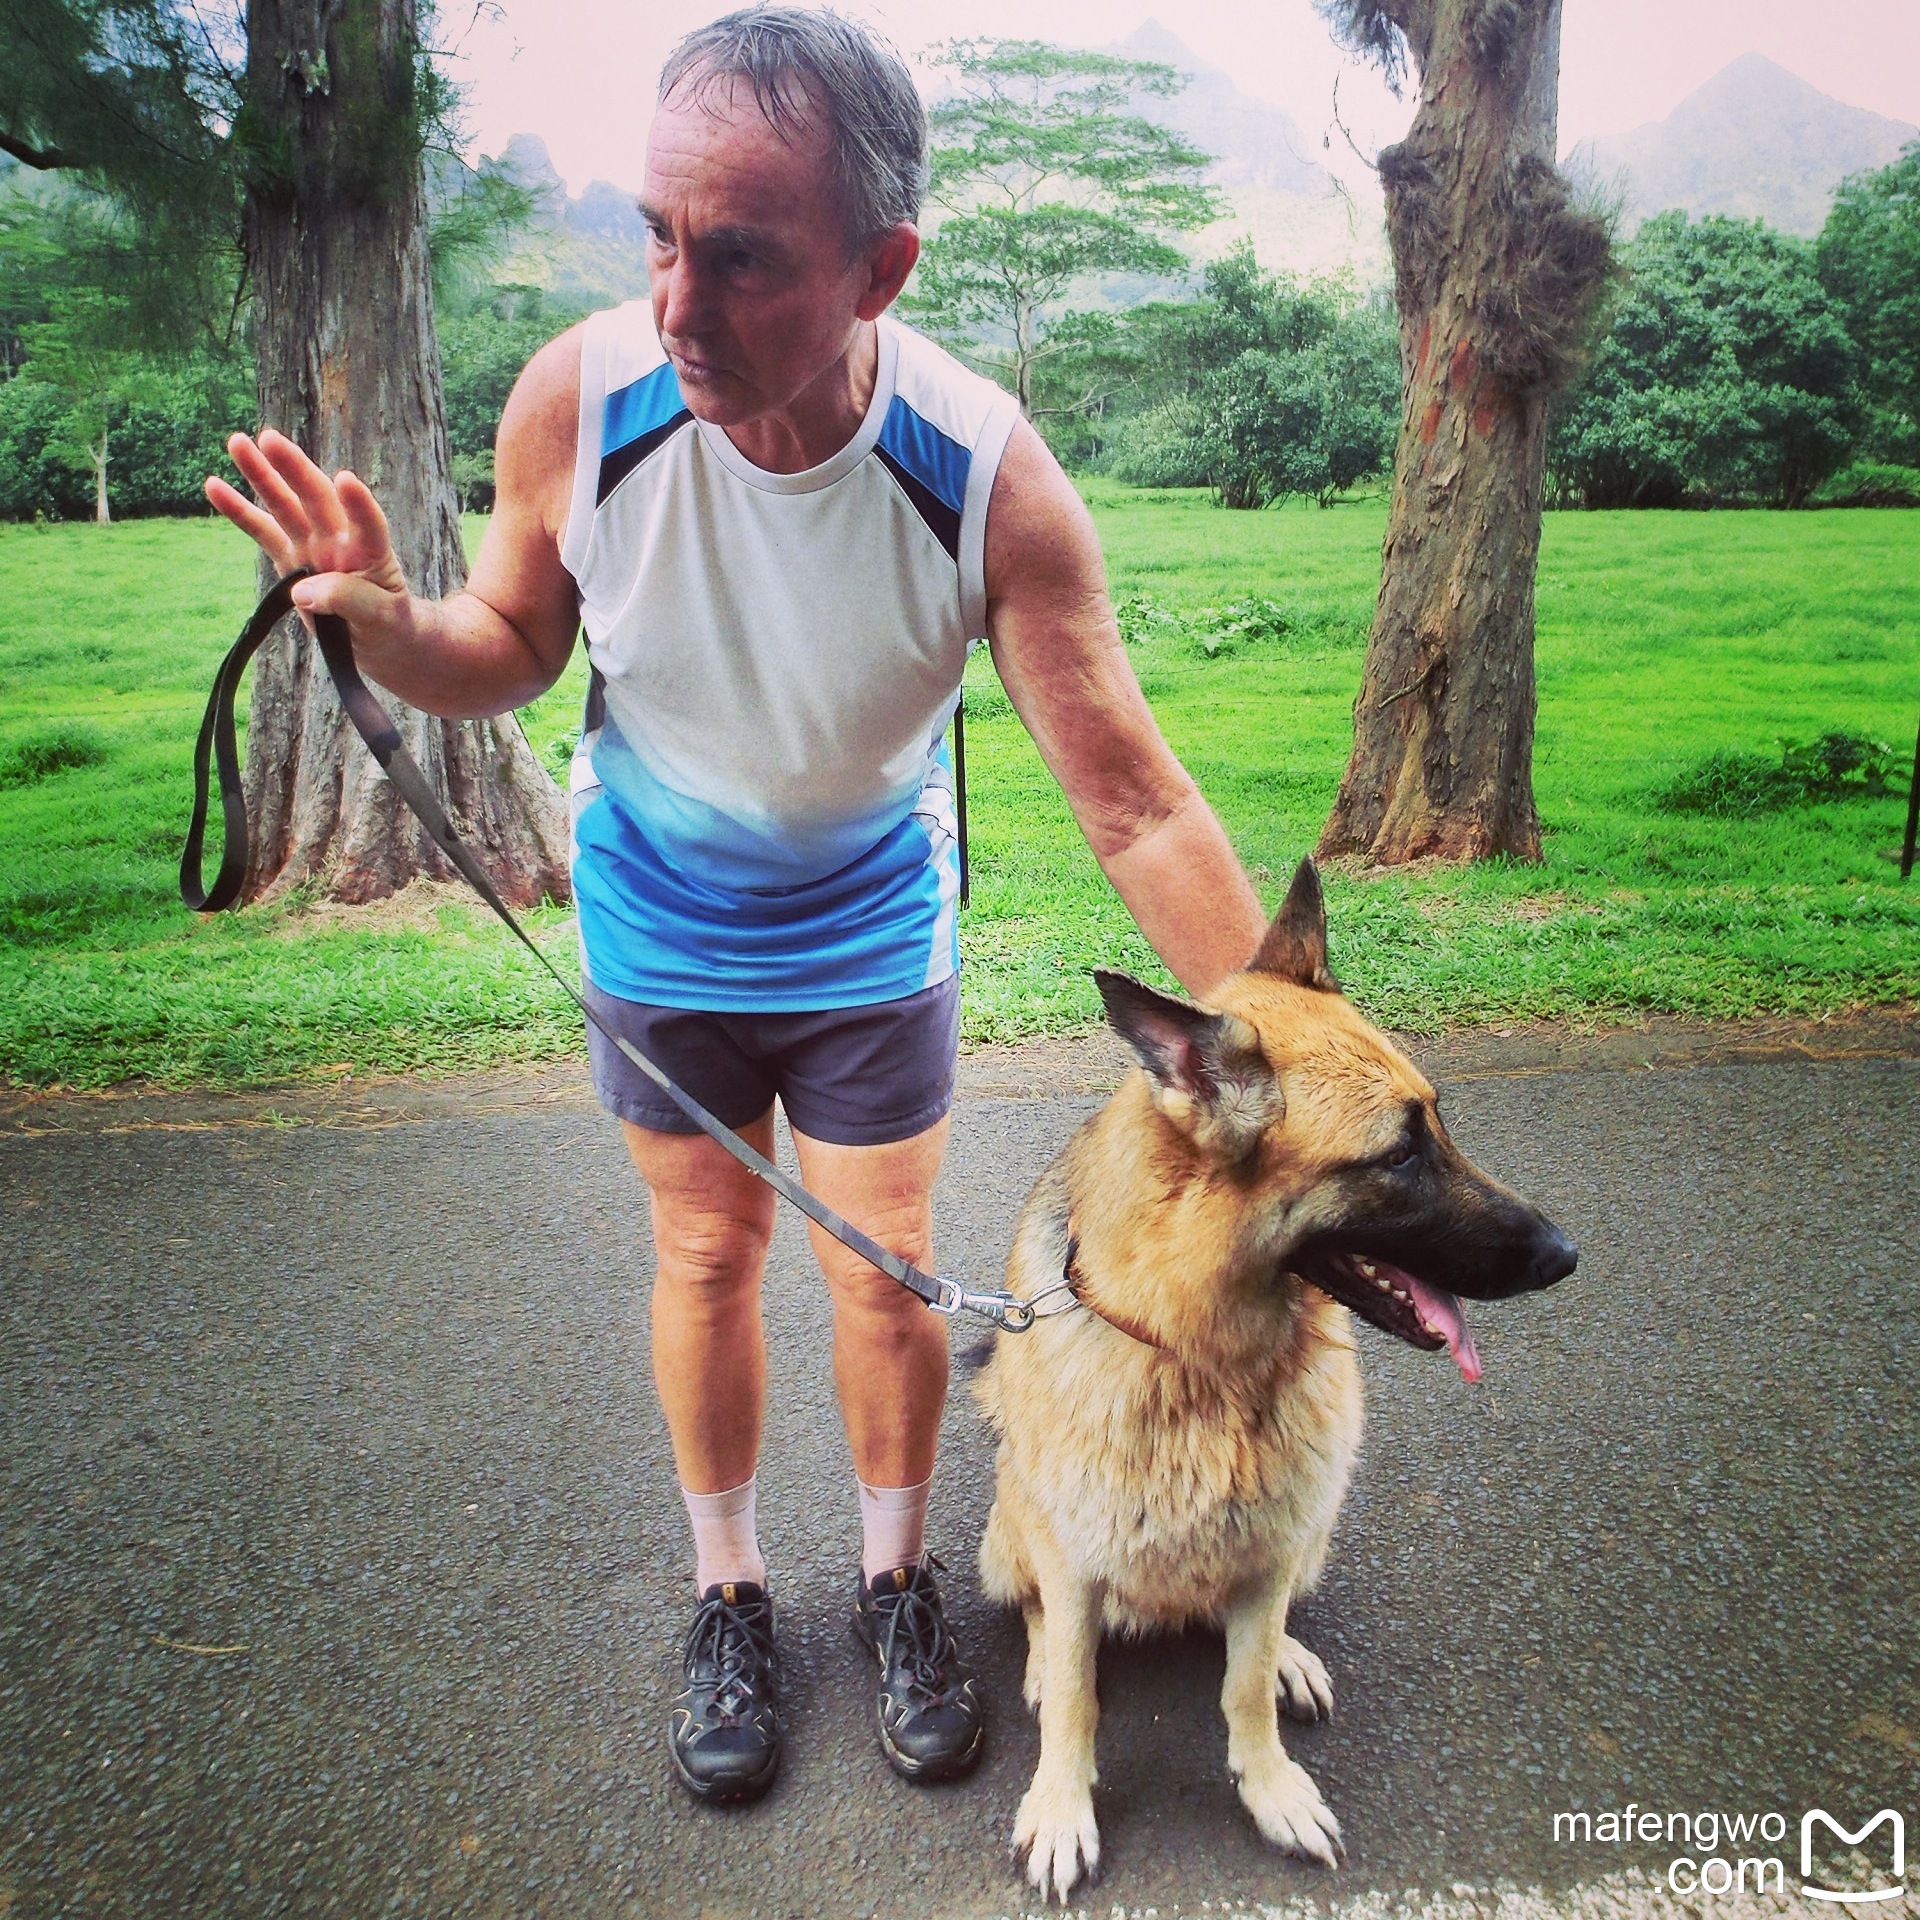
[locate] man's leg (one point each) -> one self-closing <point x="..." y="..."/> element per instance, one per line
<point x="712" y="1221"/>
<point x="890" y="1365"/>
<point x="889" y="1352"/>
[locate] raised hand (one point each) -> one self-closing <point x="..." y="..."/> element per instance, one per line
<point x="301" y="518"/>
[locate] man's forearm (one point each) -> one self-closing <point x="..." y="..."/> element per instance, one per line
<point x="1190" y="896"/>
<point x="456" y="657"/>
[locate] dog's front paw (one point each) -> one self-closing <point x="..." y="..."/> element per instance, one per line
<point x="1287" y="1806"/>
<point x="1305" y="1690"/>
<point x="1056" y="1835"/>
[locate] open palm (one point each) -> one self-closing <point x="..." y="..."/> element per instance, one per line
<point x="301" y="518"/>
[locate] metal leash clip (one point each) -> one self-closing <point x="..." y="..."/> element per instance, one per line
<point x="1007" y="1311"/>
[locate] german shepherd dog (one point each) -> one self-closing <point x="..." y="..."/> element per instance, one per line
<point x="1178" y="1451"/>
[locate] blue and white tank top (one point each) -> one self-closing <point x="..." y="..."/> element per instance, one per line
<point x="763" y="805"/>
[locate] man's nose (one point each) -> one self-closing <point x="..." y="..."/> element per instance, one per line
<point x="685" y="299"/>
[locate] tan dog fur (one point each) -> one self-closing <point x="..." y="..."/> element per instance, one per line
<point x="1143" y="1486"/>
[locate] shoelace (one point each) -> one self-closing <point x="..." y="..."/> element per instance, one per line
<point x="914" y="1616"/>
<point x="735" y="1641"/>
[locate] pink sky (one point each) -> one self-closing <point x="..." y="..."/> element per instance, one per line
<point x="580" y="73"/>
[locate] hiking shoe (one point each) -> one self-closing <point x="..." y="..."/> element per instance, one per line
<point x="928" y="1711"/>
<point x="724" y="1729"/>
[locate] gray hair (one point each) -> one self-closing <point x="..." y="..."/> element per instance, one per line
<point x="799" y="59"/>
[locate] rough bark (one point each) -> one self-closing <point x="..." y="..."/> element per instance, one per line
<point x="350" y="368"/>
<point x="1496" y="277"/>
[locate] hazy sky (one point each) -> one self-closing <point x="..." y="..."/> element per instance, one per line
<point x="580" y="73"/>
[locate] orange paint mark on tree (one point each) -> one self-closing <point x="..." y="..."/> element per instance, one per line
<point x="1460" y="368"/>
<point x="1430" y="421"/>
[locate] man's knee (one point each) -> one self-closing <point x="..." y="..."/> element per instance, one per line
<point x="711" y="1252"/>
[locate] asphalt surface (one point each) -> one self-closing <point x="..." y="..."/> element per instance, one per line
<point x="370" y="1409"/>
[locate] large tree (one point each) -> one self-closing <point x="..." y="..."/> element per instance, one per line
<point x="1496" y="274"/>
<point x="299" y="130"/>
<point x="1049" y="180"/>
<point x="1869" y="258"/>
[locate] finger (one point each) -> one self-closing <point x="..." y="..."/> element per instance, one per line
<point x="315" y="490"/>
<point x="363" y="511"/>
<point x="269" y="489"/>
<point x="257" y="526"/>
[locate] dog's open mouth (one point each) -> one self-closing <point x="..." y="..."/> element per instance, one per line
<point x="1398" y="1303"/>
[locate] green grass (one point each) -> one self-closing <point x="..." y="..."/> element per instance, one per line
<point x="1663" y="638"/>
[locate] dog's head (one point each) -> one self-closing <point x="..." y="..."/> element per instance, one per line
<point x="1330" y="1145"/>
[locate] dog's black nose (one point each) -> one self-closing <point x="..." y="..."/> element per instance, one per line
<point x="1554" y="1256"/>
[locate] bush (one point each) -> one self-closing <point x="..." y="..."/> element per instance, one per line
<point x="1870" y="483"/>
<point x="1734" y="785"/>
<point x="1728" y="374"/>
<point x="45" y="751"/>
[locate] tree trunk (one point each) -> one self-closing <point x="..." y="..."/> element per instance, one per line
<point x="1496" y="277"/>
<point x="102" y="513"/>
<point x="350" y="368"/>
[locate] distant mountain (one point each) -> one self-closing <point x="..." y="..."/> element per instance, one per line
<point x="1297" y="214"/>
<point x="588" y="251"/>
<point x="1755" y="141"/>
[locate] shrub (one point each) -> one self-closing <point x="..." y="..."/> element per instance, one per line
<point x="35" y="756"/>
<point x="1871" y="483"/>
<point x="1735" y="785"/>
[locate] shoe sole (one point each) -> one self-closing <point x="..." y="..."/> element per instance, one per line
<point x="920" y="1772"/>
<point x="728" y="1793"/>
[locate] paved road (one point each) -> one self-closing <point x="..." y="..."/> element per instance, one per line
<point x="373" y="1405"/>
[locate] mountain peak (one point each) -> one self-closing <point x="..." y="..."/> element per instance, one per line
<point x="1755" y="142"/>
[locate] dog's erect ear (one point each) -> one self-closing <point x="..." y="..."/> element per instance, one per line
<point x="1209" y="1076"/>
<point x="1296" y="944"/>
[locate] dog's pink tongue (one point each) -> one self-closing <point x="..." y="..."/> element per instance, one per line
<point x="1441" y="1313"/>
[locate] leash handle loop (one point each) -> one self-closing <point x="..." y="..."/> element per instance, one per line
<point x="376" y="728"/>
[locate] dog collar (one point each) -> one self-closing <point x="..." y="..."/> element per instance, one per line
<point x="1074" y="1282"/>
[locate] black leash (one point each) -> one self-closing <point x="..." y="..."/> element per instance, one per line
<point x="371" y="722"/>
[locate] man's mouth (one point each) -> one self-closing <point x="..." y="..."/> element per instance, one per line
<point x="1397" y="1302"/>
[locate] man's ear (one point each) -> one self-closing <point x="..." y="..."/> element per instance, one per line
<point x="1209" y="1075"/>
<point x="1295" y="947"/>
<point x="889" y="259"/>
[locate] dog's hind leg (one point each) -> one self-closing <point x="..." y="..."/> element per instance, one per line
<point x="1278" y="1792"/>
<point x="1055" y="1829"/>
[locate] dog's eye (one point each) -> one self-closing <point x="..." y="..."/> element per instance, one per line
<point x="1402" y="1157"/>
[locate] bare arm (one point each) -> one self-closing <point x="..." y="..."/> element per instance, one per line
<point x="496" y="645"/>
<point x="1058" y="649"/>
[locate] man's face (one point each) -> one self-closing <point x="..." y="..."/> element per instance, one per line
<point x="753" y="293"/>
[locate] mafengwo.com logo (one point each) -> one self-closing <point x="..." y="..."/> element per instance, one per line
<point x="1815" y="1818"/>
<point x="1720" y="1855"/>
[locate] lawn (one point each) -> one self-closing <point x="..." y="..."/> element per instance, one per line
<point x="1663" y="637"/>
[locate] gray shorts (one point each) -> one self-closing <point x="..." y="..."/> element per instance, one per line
<point x="851" y="1076"/>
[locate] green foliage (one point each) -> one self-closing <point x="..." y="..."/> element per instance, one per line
<point x="1049" y="183"/>
<point x="1660" y="637"/>
<point x="1870" y="483"/>
<point x="41" y="752"/>
<point x="1263" y="388"/>
<point x="1736" y="784"/>
<point x="164" y="442"/>
<point x="1869" y="260"/>
<point x="1728" y="374"/>
<point x="484" y="345"/>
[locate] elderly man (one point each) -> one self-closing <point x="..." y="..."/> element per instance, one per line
<point x="782" y="518"/>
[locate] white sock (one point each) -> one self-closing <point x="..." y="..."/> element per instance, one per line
<point x="725" y="1546"/>
<point x="893" y="1526"/>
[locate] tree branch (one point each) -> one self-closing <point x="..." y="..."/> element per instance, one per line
<point x="46" y="159"/>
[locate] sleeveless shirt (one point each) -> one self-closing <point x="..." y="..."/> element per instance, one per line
<point x="762" y="801"/>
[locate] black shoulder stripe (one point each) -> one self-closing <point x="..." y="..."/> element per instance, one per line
<point x="622" y="460"/>
<point x="940" y="518"/>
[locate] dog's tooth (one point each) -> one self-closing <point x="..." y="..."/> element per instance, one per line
<point x="1368" y="1268"/>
